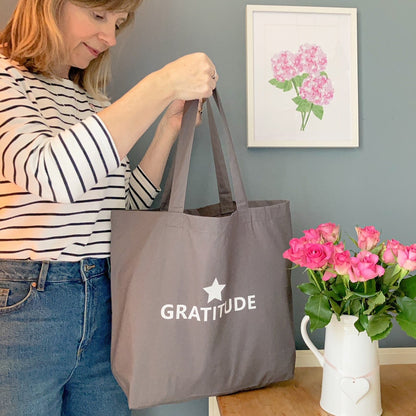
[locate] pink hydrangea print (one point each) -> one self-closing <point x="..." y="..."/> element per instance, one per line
<point x="317" y="89"/>
<point x="304" y="71"/>
<point x="283" y="64"/>
<point x="310" y="59"/>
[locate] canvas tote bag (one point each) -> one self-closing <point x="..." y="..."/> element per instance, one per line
<point x="201" y="298"/>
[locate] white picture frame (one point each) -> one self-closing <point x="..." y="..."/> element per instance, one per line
<point x="302" y="76"/>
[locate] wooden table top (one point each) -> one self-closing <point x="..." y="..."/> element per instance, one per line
<point x="300" y="396"/>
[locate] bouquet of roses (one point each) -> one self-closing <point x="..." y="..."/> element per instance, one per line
<point x="373" y="282"/>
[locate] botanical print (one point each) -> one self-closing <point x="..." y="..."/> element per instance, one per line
<point x="302" y="88"/>
<point x="304" y="71"/>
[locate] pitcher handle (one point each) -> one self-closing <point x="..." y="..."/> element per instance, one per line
<point x="308" y="342"/>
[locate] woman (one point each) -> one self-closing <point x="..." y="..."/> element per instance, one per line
<point x="63" y="168"/>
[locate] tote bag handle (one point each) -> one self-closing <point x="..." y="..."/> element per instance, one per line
<point x="226" y="205"/>
<point x="183" y="156"/>
<point x="239" y="191"/>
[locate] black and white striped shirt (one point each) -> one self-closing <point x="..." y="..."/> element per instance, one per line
<point x="60" y="174"/>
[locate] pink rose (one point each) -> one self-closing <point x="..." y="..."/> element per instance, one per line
<point x="339" y="263"/>
<point x="310" y="59"/>
<point x="317" y="89"/>
<point x="317" y="256"/>
<point x="342" y="262"/>
<point x="368" y="237"/>
<point x="339" y="248"/>
<point x="296" y="252"/>
<point x="329" y="274"/>
<point x="283" y="65"/>
<point x="329" y="232"/>
<point x="406" y="257"/>
<point x="313" y="235"/>
<point x="364" y="267"/>
<point x="391" y="251"/>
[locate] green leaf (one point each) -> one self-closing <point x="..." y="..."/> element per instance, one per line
<point x="358" y="326"/>
<point x="383" y="309"/>
<point x="383" y="334"/>
<point x="370" y="288"/>
<point x="319" y="311"/>
<point x="362" y="321"/>
<point x="407" y="315"/>
<point x="304" y="106"/>
<point x="324" y="74"/>
<point x="378" y="324"/>
<point x="298" y="80"/>
<point x="359" y="290"/>
<point x="315" y="278"/>
<point x="283" y="85"/>
<point x="335" y="307"/>
<point x="309" y="289"/>
<point x="318" y="110"/>
<point x="330" y="294"/>
<point x="375" y="301"/>
<point x="349" y="294"/>
<point x="377" y="249"/>
<point x="390" y="274"/>
<point x="409" y="287"/>
<point x="339" y="288"/>
<point x="355" y="307"/>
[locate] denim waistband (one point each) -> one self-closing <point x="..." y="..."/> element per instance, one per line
<point x="53" y="271"/>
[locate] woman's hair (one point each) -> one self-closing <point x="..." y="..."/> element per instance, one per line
<point x="33" y="39"/>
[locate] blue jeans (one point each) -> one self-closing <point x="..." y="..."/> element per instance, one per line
<point x="55" y="331"/>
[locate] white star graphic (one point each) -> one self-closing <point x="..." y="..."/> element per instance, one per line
<point x="214" y="291"/>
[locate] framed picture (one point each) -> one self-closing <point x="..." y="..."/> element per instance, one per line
<point x="302" y="86"/>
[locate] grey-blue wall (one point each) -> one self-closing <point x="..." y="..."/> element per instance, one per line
<point x="370" y="185"/>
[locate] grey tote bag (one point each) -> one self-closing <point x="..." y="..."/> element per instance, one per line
<point x="201" y="298"/>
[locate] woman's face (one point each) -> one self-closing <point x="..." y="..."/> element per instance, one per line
<point x="87" y="32"/>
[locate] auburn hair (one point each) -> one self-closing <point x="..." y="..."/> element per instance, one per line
<point x="32" y="38"/>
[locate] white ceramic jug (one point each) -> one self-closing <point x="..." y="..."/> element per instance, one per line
<point x="351" y="371"/>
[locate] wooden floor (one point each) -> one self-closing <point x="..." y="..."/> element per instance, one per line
<point x="300" y="396"/>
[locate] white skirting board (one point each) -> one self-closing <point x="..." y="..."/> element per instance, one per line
<point x="305" y="358"/>
<point x="213" y="407"/>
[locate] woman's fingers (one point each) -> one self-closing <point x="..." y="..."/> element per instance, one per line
<point x="194" y="76"/>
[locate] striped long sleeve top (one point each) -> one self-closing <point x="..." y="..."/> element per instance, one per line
<point x="60" y="174"/>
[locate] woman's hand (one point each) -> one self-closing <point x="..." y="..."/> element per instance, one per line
<point x="191" y="77"/>
<point x="172" y="119"/>
<point x="188" y="78"/>
<point x="155" y="158"/>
